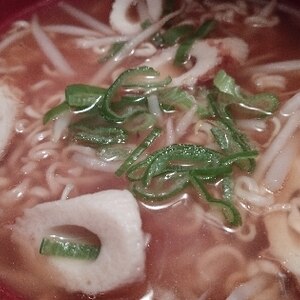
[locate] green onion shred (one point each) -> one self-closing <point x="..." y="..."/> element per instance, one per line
<point x="184" y="48"/>
<point x="55" y="246"/>
<point x="138" y="151"/>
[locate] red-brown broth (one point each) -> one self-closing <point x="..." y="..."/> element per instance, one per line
<point x="175" y="243"/>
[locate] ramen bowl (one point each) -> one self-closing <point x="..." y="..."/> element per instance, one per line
<point x="149" y="150"/>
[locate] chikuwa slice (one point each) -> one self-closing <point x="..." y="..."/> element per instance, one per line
<point x="111" y="215"/>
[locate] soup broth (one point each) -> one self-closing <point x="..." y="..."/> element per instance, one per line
<point x="191" y="249"/>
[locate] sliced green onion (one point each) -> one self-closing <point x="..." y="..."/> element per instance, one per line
<point x="136" y="171"/>
<point x="176" y="97"/>
<point x="99" y="135"/>
<point x="167" y="108"/>
<point x="90" y="120"/>
<point x="150" y="83"/>
<point x="125" y="78"/>
<point x="113" y="51"/>
<point x="227" y="184"/>
<point x="172" y="98"/>
<point x="139" y="122"/>
<point x="183" y="50"/>
<point x="182" y="53"/>
<point x="147" y="23"/>
<point x="114" y="152"/>
<point x="237" y="141"/>
<point x="229" y="211"/>
<point x="264" y="104"/>
<point x="162" y="187"/>
<point x="130" y="106"/>
<point x="82" y="95"/>
<point x="226" y="84"/>
<point x="138" y="151"/>
<point x="227" y="139"/>
<point x="156" y="39"/>
<point x="55" y="246"/>
<point x="136" y="76"/>
<point x="174" y="34"/>
<point x="259" y="105"/>
<point x="213" y="172"/>
<point x="221" y="136"/>
<point x="232" y="158"/>
<point x="181" y="157"/>
<point x="77" y="96"/>
<point x="56" y="111"/>
<point x="129" y="100"/>
<point x="204" y="30"/>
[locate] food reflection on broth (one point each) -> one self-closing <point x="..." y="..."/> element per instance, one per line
<point x="149" y="151"/>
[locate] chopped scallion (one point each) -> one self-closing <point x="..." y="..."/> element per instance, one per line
<point x="55" y="246"/>
<point x="127" y="77"/>
<point x="147" y="23"/>
<point x="113" y="51"/>
<point x="99" y="135"/>
<point x="138" y="151"/>
<point x="129" y="100"/>
<point x="182" y="157"/>
<point x="229" y="138"/>
<point x="226" y="84"/>
<point x="162" y="187"/>
<point x="82" y="95"/>
<point x="184" y="48"/>
<point x="150" y="83"/>
<point x="117" y="152"/>
<point x="56" y="111"/>
<point x="140" y="122"/>
<point x="174" y="34"/>
<point x="228" y="209"/>
<point x="259" y="105"/>
<point x="176" y="98"/>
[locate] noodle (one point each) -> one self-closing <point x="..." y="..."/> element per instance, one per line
<point x="9" y="40"/>
<point x="50" y="50"/>
<point x="248" y="189"/>
<point x="283" y="137"/>
<point x="279" y="170"/>
<point x="85" y="18"/>
<point x="265" y="82"/>
<point x="276" y="67"/>
<point x="185" y="122"/>
<point x="249" y="289"/>
<point x="208" y="270"/>
<point x="71" y="30"/>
